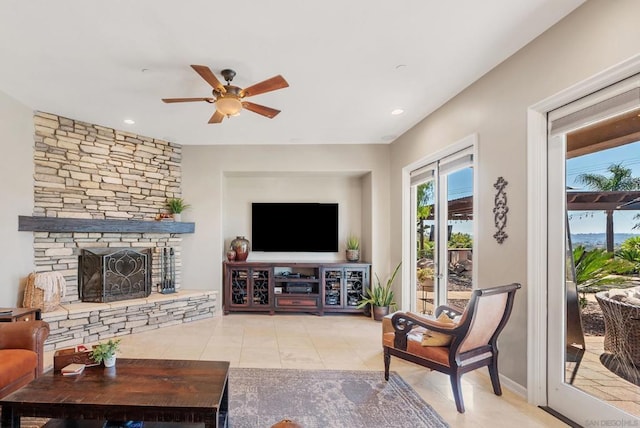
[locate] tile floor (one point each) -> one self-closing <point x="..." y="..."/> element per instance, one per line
<point x="339" y="342"/>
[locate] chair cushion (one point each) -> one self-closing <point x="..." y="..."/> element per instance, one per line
<point x="15" y="364"/>
<point x="439" y="354"/>
<point x="435" y="338"/>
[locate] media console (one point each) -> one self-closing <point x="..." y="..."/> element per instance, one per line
<point x="294" y="287"/>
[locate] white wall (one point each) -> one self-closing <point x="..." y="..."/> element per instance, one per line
<point x="240" y="191"/>
<point x="594" y="37"/>
<point x="221" y="181"/>
<point x="16" y="188"/>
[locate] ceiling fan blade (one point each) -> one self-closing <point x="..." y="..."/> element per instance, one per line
<point x="206" y="73"/>
<point x="217" y="117"/>
<point x="186" y="100"/>
<point x="276" y="82"/>
<point x="256" y="108"/>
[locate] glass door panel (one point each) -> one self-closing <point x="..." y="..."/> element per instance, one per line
<point x="459" y="236"/>
<point x="442" y="213"/>
<point x="425" y="246"/>
<point x="594" y="225"/>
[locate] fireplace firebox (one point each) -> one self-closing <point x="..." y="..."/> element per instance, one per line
<point x="112" y="274"/>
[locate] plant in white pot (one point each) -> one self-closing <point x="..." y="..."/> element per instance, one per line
<point x="105" y="352"/>
<point x="380" y="297"/>
<point x="176" y="206"/>
<point x="353" y="248"/>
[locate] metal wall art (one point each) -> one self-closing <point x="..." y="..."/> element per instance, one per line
<point x="500" y="210"/>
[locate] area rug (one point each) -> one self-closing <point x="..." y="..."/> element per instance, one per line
<point x="325" y="399"/>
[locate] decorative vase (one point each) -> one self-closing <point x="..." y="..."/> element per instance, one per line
<point x="177" y="216"/>
<point x="231" y="255"/>
<point x="241" y="246"/>
<point x="380" y="312"/>
<point x="110" y="361"/>
<point x="353" y="255"/>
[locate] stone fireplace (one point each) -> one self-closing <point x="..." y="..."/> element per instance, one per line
<point x="97" y="192"/>
<point x="89" y="172"/>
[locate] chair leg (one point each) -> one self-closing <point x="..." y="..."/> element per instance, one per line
<point x="456" y="386"/>
<point x="387" y="363"/>
<point x="495" y="378"/>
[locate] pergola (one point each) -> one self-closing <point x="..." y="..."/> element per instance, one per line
<point x="604" y="201"/>
<point x="458" y="209"/>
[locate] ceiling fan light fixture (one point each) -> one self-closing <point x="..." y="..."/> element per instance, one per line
<point x="229" y="98"/>
<point x="229" y="105"/>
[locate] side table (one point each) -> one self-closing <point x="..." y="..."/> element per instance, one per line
<point x="20" y="314"/>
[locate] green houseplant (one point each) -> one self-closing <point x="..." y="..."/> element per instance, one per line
<point x="353" y="248"/>
<point x="380" y="297"/>
<point x="106" y="352"/>
<point x="176" y="206"/>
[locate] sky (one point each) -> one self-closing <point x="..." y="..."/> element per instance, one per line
<point x="597" y="163"/>
<point x="460" y="184"/>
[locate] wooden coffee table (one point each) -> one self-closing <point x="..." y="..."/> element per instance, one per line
<point x="135" y="389"/>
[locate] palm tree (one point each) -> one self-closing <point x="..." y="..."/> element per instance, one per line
<point x="423" y="211"/>
<point x="620" y="180"/>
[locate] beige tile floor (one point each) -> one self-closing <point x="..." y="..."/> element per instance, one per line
<point x="338" y="342"/>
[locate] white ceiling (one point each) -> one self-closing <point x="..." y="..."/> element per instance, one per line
<point x="349" y="63"/>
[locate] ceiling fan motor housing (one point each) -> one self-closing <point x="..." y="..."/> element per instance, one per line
<point x="228" y="74"/>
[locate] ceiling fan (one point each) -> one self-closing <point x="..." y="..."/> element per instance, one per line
<point x="229" y="99"/>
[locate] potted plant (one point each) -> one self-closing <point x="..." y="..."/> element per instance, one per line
<point x="105" y="352"/>
<point x="353" y="248"/>
<point x="425" y="278"/>
<point x="380" y="297"/>
<point x="176" y="206"/>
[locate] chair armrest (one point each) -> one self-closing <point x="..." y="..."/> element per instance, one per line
<point x="29" y="335"/>
<point x="403" y="322"/>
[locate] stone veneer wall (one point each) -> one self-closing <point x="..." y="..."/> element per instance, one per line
<point x="89" y="171"/>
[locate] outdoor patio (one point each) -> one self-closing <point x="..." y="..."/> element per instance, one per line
<point x="595" y="379"/>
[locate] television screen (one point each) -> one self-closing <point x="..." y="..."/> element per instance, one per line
<point x="294" y="227"/>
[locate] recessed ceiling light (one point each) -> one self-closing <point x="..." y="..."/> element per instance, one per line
<point x="129" y="121"/>
<point x="397" y="111"/>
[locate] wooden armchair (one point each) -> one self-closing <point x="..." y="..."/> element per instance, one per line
<point x="473" y="338"/>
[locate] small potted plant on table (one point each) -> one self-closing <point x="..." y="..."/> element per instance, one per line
<point x="106" y="352"/>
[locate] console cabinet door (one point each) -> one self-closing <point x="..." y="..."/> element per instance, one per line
<point x="344" y="287"/>
<point x="261" y="297"/>
<point x="249" y="288"/>
<point x="333" y="295"/>
<point x="355" y="284"/>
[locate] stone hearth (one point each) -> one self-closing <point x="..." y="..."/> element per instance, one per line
<point x="81" y="323"/>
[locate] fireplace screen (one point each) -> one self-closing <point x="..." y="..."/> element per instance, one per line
<point x="108" y="274"/>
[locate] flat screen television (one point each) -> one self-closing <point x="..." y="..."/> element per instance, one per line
<point x="294" y="227"/>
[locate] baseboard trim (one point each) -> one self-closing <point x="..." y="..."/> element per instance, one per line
<point x="561" y="417"/>
<point x="514" y="387"/>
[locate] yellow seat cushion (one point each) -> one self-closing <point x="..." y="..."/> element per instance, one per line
<point x="435" y="338"/>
